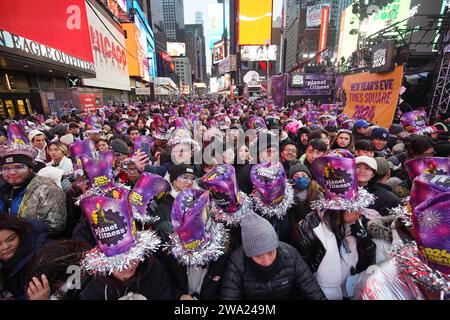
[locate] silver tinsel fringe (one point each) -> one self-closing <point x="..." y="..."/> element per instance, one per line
<point x="205" y="253"/>
<point x="231" y="219"/>
<point x="185" y="140"/>
<point x="426" y="130"/>
<point x="146" y="219"/>
<point x="95" y="261"/>
<point x="278" y="210"/>
<point x="402" y="213"/>
<point x="407" y="259"/>
<point x="96" y="191"/>
<point x="364" y="200"/>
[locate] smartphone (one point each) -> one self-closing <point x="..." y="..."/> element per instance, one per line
<point x="145" y="147"/>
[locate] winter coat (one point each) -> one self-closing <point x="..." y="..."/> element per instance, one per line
<point x="150" y="280"/>
<point x="312" y="249"/>
<point x="292" y="280"/>
<point x="12" y="273"/>
<point x="211" y="283"/>
<point x="385" y="199"/>
<point x="164" y="225"/>
<point x="243" y="179"/>
<point x="45" y="201"/>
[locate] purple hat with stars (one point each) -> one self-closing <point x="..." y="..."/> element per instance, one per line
<point x="428" y="165"/>
<point x="426" y="186"/>
<point x="272" y="196"/>
<point x="16" y="134"/>
<point x="139" y="141"/>
<point x="79" y="148"/>
<point x="147" y="192"/>
<point x="94" y="121"/>
<point x="121" y="127"/>
<point x="113" y="226"/>
<point x="431" y="230"/>
<point x="348" y="124"/>
<point x="415" y="122"/>
<point x="256" y="123"/>
<point x="336" y="175"/>
<point x="228" y="204"/>
<point x="99" y="169"/>
<point x="159" y="127"/>
<point x="197" y="239"/>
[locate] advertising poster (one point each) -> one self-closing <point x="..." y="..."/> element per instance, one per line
<point x="255" y="22"/>
<point x="373" y="96"/>
<point x="110" y="58"/>
<point x="309" y="84"/>
<point x="259" y="53"/>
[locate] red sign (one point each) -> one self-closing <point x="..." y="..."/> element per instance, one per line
<point x="165" y="56"/>
<point x="323" y="31"/>
<point x="61" y="24"/>
<point x="87" y="101"/>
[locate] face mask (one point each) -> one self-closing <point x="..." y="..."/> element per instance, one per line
<point x="301" y="183"/>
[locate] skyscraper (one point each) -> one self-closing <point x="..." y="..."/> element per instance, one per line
<point x="198" y="17"/>
<point x="174" y="20"/>
<point x="196" y="50"/>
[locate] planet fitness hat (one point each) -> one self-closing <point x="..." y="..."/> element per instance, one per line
<point x="272" y="195"/>
<point x="228" y="204"/>
<point x="197" y="240"/>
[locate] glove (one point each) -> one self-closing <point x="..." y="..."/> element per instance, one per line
<point x="360" y="233"/>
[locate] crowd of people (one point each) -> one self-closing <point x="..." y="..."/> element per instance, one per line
<point x="224" y="199"/>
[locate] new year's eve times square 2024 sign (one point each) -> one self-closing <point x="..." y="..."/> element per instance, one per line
<point x="373" y="96"/>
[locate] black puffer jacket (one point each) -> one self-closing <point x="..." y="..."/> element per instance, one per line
<point x="385" y="199"/>
<point x="293" y="280"/>
<point x="312" y="250"/>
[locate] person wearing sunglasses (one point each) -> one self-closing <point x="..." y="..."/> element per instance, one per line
<point x="32" y="197"/>
<point x="182" y="177"/>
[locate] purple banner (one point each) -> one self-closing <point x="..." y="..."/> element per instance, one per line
<point x="311" y="84"/>
<point x="277" y="85"/>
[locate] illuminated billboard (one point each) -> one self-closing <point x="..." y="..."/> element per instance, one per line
<point x="390" y="14"/>
<point x="218" y="51"/>
<point x="214" y="28"/>
<point x="259" y="53"/>
<point x="255" y="22"/>
<point x="176" y="49"/>
<point x="349" y="21"/>
<point x="314" y="15"/>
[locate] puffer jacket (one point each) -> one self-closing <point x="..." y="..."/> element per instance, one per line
<point x="293" y="280"/>
<point x="312" y="249"/>
<point x="46" y="202"/>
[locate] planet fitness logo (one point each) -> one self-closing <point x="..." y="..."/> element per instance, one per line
<point x="337" y="180"/>
<point x="110" y="231"/>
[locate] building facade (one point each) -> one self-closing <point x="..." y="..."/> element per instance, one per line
<point x="183" y="69"/>
<point x="173" y="12"/>
<point x="196" y="50"/>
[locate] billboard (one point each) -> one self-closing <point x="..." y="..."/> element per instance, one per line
<point x="176" y="49"/>
<point x="390" y="14"/>
<point x="373" y="96"/>
<point x="309" y="84"/>
<point x="110" y="58"/>
<point x="136" y="52"/>
<point x="214" y="27"/>
<point x="255" y="22"/>
<point x="228" y="64"/>
<point x="347" y="42"/>
<point x="323" y="32"/>
<point x="314" y="15"/>
<point x="218" y="51"/>
<point x="51" y="31"/>
<point x="259" y="53"/>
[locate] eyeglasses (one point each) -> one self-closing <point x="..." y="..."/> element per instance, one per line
<point x="13" y="169"/>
